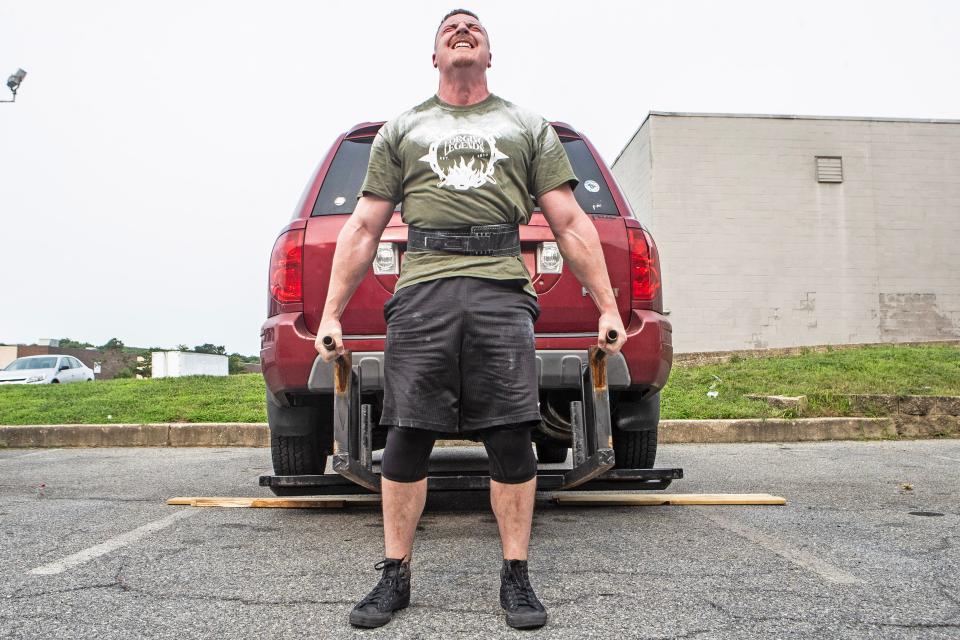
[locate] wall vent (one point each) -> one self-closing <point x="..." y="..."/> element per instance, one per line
<point x="829" y="169"/>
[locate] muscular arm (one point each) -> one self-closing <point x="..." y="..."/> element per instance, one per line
<point x="356" y="246"/>
<point x="580" y="247"/>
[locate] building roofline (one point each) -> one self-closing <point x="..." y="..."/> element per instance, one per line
<point x="774" y="116"/>
<point x="635" y="133"/>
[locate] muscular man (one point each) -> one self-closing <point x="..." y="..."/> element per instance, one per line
<point x="469" y="167"/>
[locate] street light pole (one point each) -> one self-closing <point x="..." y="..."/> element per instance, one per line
<point x="13" y="83"/>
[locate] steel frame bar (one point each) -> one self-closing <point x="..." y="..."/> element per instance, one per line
<point x="352" y="451"/>
<point x="590" y="422"/>
<point x="547" y="480"/>
<point x="593" y="455"/>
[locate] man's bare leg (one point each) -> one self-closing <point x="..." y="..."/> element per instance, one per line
<point x="513" y="506"/>
<point x="402" y="506"/>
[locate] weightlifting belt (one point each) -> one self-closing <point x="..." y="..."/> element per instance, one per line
<point x="478" y="240"/>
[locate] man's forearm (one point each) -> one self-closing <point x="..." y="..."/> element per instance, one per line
<point x="580" y="246"/>
<point x="356" y="246"/>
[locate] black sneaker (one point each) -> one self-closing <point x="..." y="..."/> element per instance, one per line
<point x="390" y="594"/>
<point x="524" y="611"/>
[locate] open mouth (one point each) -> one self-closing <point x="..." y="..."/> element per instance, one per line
<point x="461" y="44"/>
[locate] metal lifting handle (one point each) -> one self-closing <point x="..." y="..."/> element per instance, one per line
<point x="352" y="424"/>
<point x="590" y="419"/>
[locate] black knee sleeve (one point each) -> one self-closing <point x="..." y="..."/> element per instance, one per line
<point x="406" y="456"/>
<point x="510" y="452"/>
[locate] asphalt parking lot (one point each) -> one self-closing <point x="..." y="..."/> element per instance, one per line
<point x="866" y="547"/>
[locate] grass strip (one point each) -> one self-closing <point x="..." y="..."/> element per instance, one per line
<point x="237" y="398"/>
<point x="823" y="377"/>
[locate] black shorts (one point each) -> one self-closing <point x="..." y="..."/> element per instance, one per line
<point x="406" y="457"/>
<point x="460" y="356"/>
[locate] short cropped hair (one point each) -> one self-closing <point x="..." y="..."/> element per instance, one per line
<point x="453" y="13"/>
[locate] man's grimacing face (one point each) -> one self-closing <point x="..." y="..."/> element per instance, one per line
<point x="461" y="42"/>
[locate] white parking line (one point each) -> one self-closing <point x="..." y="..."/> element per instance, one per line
<point x="111" y="545"/>
<point x="27" y="455"/>
<point x="799" y="557"/>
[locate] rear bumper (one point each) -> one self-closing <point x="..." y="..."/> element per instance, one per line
<point x="286" y="355"/>
<point x="291" y="363"/>
<point x="649" y="348"/>
<point x="555" y="370"/>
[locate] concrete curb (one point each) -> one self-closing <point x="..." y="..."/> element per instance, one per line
<point x="212" y="434"/>
<point x="775" y="430"/>
<point x="181" y="434"/>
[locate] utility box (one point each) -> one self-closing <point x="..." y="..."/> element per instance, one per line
<point x="176" y="364"/>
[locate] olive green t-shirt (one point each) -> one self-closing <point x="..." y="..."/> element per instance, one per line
<point x="454" y="166"/>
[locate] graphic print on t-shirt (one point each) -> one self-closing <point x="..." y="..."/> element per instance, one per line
<point x="464" y="159"/>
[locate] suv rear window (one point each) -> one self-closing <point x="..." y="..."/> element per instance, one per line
<point x="592" y="192"/>
<point x="344" y="178"/>
<point x="338" y="194"/>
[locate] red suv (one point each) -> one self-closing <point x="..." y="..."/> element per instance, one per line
<point x="300" y="384"/>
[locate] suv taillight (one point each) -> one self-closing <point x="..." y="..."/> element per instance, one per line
<point x="644" y="267"/>
<point x="286" y="268"/>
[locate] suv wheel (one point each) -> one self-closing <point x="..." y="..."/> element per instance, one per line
<point x="551" y="452"/>
<point x="634" y="449"/>
<point x="298" y="455"/>
<point x="635" y="431"/>
<point x="301" y="438"/>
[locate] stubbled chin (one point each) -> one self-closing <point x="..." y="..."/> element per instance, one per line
<point x="463" y="61"/>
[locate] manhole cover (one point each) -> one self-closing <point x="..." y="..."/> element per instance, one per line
<point x="925" y="513"/>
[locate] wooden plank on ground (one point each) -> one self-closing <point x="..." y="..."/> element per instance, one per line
<point x="596" y="498"/>
<point x="583" y="498"/>
<point x="300" y="502"/>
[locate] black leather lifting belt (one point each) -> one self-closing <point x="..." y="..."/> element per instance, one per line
<point x="479" y="240"/>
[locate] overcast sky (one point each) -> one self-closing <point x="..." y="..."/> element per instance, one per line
<point x="156" y="149"/>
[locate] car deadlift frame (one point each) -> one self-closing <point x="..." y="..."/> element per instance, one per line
<point x="593" y="456"/>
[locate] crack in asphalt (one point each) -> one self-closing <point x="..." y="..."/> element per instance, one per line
<point x="120" y="584"/>
<point x="433" y="607"/>
<point x="915" y="625"/>
<point x="587" y="572"/>
<point x="689" y="634"/>
<point x="773" y="591"/>
<point x="49" y="496"/>
<point x="17" y="595"/>
<point x="946" y="591"/>
<point x="860" y="623"/>
<point x="945" y="544"/>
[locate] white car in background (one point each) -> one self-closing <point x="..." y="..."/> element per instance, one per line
<point x="51" y="369"/>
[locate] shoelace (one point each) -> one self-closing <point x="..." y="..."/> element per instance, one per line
<point x="522" y="590"/>
<point x="383" y="587"/>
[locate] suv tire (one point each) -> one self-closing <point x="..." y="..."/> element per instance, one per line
<point x="297" y="455"/>
<point x="551" y="452"/>
<point x="634" y="449"/>
<point x="301" y="438"/>
<point x="635" y="425"/>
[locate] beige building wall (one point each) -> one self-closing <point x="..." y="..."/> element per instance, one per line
<point x="755" y="252"/>
<point x="8" y="353"/>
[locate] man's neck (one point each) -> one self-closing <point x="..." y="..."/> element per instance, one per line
<point x="463" y="89"/>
